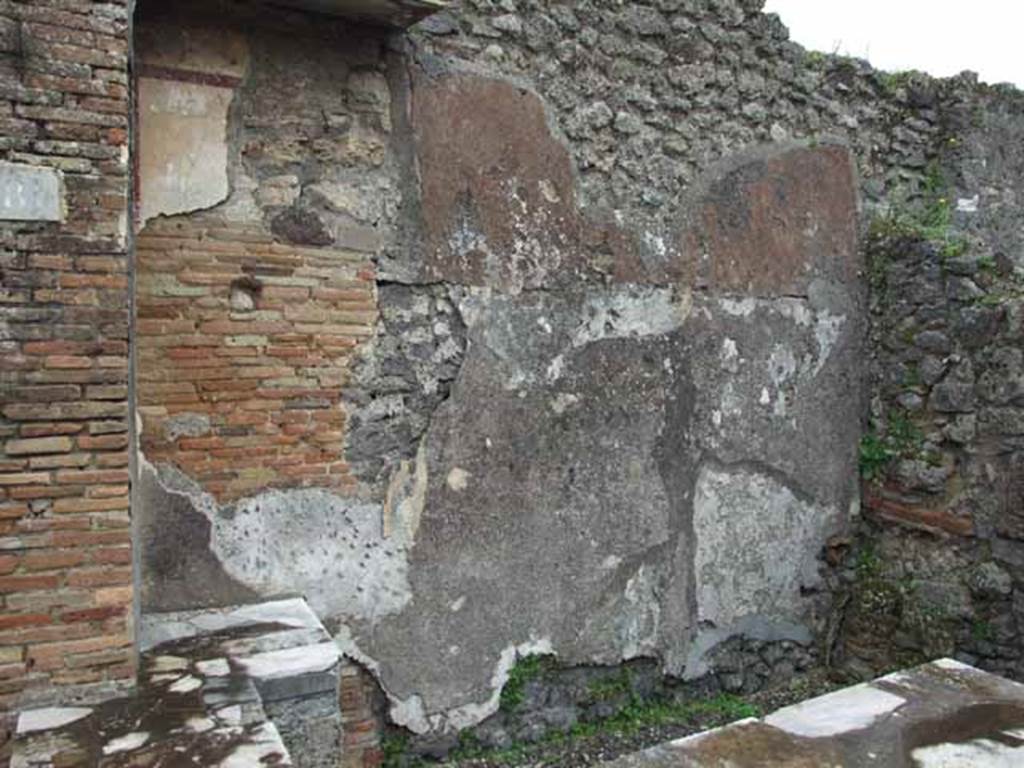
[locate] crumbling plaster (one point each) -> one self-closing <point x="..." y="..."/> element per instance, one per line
<point x="563" y="424"/>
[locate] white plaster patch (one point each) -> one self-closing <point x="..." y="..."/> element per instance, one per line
<point x="458" y="479"/>
<point x="766" y="535"/>
<point x="126" y="743"/>
<point x="731" y="402"/>
<point x="730" y="356"/>
<point x="738" y="307"/>
<point x="549" y="191"/>
<point x="968" y="204"/>
<point x="782" y="365"/>
<point x="291" y="662"/>
<point x="563" y="401"/>
<point x="827" y="329"/>
<point x="403" y="505"/>
<point x="50" y="718"/>
<point x="638" y="623"/>
<point x="655" y="243"/>
<point x="309" y="541"/>
<point x="850" y="709"/>
<point x="183" y="148"/>
<point x="633" y="313"/>
<point x="555" y="368"/>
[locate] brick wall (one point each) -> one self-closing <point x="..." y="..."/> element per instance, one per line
<point x="243" y="348"/>
<point x="65" y="555"/>
<point x="362" y="708"/>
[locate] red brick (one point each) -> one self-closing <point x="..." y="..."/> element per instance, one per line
<point x="50" y="560"/>
<point x="72" y="506"/>
<point x="18" y="620"/>
<point x="95" y="578"/>
<point x="28" y="583"/>
<point x="38" y="446"/>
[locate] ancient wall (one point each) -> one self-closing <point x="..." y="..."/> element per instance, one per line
<point x="539" y="328"/>
<point x="395" y="356"/>
<point x="942" y="451"/>
<point x="258" y="210"/>
<point x="65" y="568"/>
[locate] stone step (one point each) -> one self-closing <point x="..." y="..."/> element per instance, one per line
<point x="253" y="685"/>
<point x="940" y="714"/>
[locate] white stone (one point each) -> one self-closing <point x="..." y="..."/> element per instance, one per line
<point x="48" y="719"/>
<point x="264" y="747"/>
<point x="31" y="193"/>
<point x="186" y="685"/>
<point x="160" y="628"/>
<point x="291" y="662"/>
<point x="168" y="664"/>
<point x="199" y="724"/>
<point x="230" y="715"/>
<point x="126" y="743"/>
<point x="835" y="713"/>
<point x="214" y="668"/>
<point x="980" y="753"/>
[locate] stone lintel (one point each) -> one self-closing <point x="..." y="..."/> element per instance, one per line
<point x="391" y="13"/>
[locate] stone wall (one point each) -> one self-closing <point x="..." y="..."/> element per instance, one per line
<point x="65" y="566"/>
<point x="942" y="453"/>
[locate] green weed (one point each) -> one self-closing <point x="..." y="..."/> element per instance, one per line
<point x="525" y="669"/>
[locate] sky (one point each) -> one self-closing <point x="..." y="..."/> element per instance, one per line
<point x="940" y="37"/>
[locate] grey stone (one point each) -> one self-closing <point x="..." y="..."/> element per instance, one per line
<point x="933" y="341"/>
<point x="953" y="397"/>
<point x="310" y="728"/>
<point x="302" y="227"/>
<point x="962" y="429"/>
<point x="628" y="123"/>
<point x="989" y="580"/>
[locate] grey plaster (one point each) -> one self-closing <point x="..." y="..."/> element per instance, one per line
<point x="566" y="510"/>
<point x="329" y="549"/>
